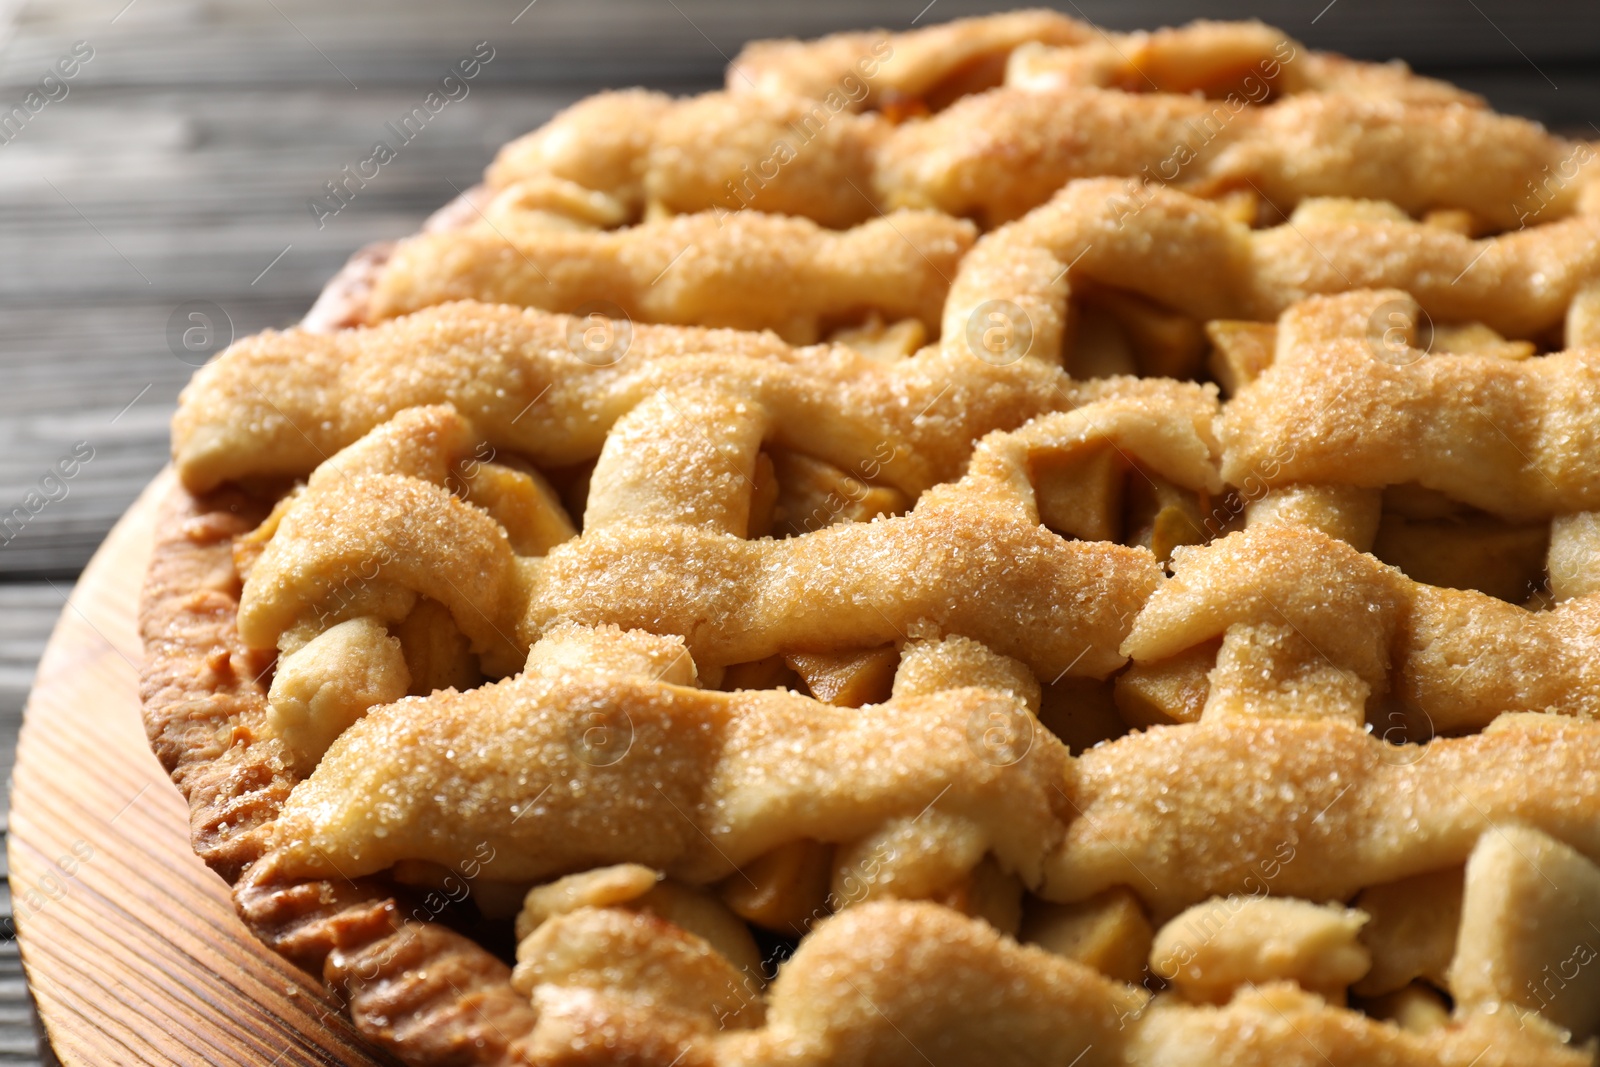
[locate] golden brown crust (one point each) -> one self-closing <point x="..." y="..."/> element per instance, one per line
<point x="427" y="993"/>
<point x="1189" y="254"/>
<point x="994" y="155"/>
<point x="912" y="64"/>
<point x="436" y="540"/>
<point x="1293" y="836"/>
<point x="204" y="702"/>
<point x="1249" y="59"/>
<point x="745" y="270"/>
<point x="1458" y="657"/>
<point x="281" y="403"/>
<point x="1043" y="49"/>
<point x="435" y="997"/>
<point x="1513" y="437"/>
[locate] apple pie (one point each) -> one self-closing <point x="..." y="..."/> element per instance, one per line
<point x="997" y="543"/>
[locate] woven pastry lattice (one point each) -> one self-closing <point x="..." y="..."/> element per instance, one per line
<point x="1000" y="543"/>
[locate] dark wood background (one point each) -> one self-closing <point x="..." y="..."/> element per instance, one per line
<point x="179" y="165"/>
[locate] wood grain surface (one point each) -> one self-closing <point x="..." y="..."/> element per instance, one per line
<point x="178" y="169"/>
<point x="133" y="945"/>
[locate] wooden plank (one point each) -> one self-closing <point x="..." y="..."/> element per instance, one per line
<point x="65" y="530"/>
<point x="242" y="152"/>
<point x="26" y="617"/>
<point x="27" y="614"/>
<point x="225" y="179"/>
<point x="18" y="1043"/>
<point x="302" y="42"/>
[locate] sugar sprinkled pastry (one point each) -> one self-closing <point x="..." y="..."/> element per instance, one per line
<point x="995" y="543"/>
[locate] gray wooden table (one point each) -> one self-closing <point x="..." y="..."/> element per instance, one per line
<point x="175" y="166"/>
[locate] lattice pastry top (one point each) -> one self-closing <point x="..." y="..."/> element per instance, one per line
<point x="996" y="543"/>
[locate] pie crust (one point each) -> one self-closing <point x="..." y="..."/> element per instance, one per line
<point x="1080" y="546"/>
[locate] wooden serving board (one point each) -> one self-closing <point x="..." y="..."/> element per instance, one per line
<point x="130" y="943"/>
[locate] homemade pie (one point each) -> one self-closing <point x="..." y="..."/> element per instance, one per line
<point x="1002" y="543"/>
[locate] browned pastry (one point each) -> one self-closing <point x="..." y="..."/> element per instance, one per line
<point x="1513" y="437"/>
<point x="836" y="129"/>
<point x="837" y="132"/>
<point x="749" y="271"/>
<point x="995" y="155"/>
<point x="1108" y="609"/>
<point x="935" y="64"/>
<point x="1192" y="256"/>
